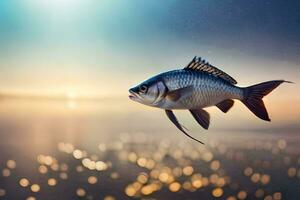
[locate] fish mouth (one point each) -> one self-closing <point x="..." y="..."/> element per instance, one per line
<point x="133" y="96"/>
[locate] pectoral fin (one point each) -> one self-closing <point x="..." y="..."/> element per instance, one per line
<point x="175" y="95"/>
<point x="173" y="119"/>
<point x="225" y="105"/>
<point x="202" y="117"/>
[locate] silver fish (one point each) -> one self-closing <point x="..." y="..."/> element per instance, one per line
<point x="197" y="86"/>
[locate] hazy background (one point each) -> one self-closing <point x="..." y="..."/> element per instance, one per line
<point x="66" y="67"/>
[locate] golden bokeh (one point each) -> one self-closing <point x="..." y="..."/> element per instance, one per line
<point x="146" y="190"/>
<point x="188" y="170"/>
<point x="35" y="188"/>
<point x="208" y="156"/>
<point x="142" y="178"/>
<point x="242" y="195"/>
<point x="174" y="187"/>
<point x="150" y="164"/>
<point x="54" y="167"/>
<point x="154" y="173"/>
<point x="215" y="165"/>
<point x="214" y="178"/>
<point x="217" y="192"/>
<point x="158" y="175"/>
<point x="24" y="182"/>
<point x="130" y="191"/>
<point x="255" y="177"/>
<point x="77" y="154"/>
<point x="99" y="165"/>
<point x="142" y="162"/>
<point x="269" y="197"/>
<point x="277" y="196"/>
<point x="52" y="182"/>
<point x="48" y="160"/>
<point x="6" y="172"/>
<point x="11" y="164"/>
<point x="80" y="192"/>
<point x="281" y="144"/>
<point x="197" y="183"/>
<point x="265" y="179"/>
<point x="92" y="180"/>
<point x="221" y="182"/>
<point x="163" y="177"/>
<point x="248" y="171"/>
<point x="31" y="198"/>
<point x="43" y="169"/>
<point x="137" y="185"/>
<point x="132" y="157"/>
<point x="109" y="198"/>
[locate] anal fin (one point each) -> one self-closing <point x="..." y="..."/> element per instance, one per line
<point x="173" y="119"/>
<point x="202" y="117"/>
<point x="225" y="105"/>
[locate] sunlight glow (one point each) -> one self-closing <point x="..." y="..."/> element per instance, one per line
<point x="72" y="94"/>
<point x="72" y="105"/>
<point x="55" y="9"/>
<point x="52" y="4"/>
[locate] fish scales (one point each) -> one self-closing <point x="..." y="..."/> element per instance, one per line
<point x="208" y="90"/>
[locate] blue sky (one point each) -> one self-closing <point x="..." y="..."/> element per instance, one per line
<point x="84" y="44"/>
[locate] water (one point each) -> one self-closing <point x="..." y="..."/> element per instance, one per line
<point x="103" y="150"/>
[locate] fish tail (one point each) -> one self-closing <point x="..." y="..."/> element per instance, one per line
<point x="253" y="96"/>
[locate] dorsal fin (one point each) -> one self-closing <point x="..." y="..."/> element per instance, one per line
<point x="197" y="64"/>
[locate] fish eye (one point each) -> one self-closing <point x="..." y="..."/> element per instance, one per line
<point x="143" y="88"/>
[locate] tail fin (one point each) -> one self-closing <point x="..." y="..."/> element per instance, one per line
<point x="253" y="97"/>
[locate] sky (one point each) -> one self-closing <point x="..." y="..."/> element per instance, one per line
<point x="102" y="48"/>
<point x="93" y="46"/>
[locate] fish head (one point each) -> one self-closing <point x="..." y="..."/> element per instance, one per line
<point x="149" y="92"/>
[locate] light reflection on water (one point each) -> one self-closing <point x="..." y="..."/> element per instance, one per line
<point x="86" y="150"/>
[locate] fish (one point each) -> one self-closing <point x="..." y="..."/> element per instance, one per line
<point x="197" y="86"/>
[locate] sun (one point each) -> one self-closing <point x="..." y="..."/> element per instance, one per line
<point x="71" y="94"/>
